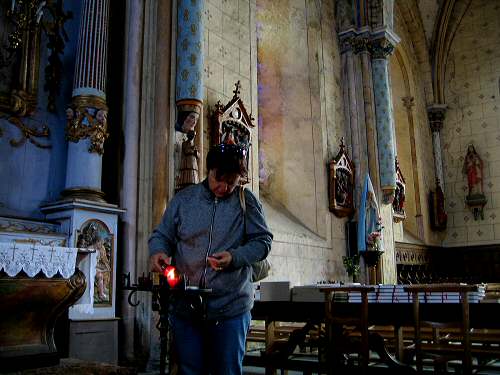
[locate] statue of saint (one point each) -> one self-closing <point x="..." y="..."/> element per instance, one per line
<point x="473" y="168"/>
<point x="188" y="171"/>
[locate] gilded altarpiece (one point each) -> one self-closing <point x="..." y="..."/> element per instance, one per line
<point x="21" y="26"/>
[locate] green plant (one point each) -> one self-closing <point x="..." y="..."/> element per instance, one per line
<point x="351" y="265"/>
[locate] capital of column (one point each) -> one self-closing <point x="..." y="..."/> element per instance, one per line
<point x="356" y="44"/>
<point x="87" y="118"/>
<point x="436" y="114"/>
<point x="355" y="41"/>
<point x="380" y="48"/>
<point x="382" y="43"/>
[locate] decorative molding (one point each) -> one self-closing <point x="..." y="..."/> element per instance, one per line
<point x="408" y="102"/>
<point x="409" y="254"/>
<point x="28" y="133"/>
<point x="87" y="118"/>
<point x="24" y="226"/>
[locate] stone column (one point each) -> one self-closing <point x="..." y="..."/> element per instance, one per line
<point x="436" y="114"/>
<point x="354" y="109"/>
<point x="190" y="61"/>
<point x="381" y="46"/>
<point x="408" y="103"/>
<point x="86" y="128"/>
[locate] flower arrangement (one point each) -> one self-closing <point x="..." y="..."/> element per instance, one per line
<point x="374" y="239"/>
<point x="351" y="265"/>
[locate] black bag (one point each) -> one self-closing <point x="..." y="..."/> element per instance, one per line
<point x="261" y="268"/>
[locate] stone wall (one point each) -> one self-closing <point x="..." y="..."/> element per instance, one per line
<point x="408" y="79"/>
<point x="472" y="94"/>
<point x="230" y="56"/>
<point x="300" y="125"/>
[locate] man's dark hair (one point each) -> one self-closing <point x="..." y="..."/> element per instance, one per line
<point x="227" y="159"/>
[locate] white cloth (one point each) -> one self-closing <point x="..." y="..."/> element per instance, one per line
<point x="33" y="258"/>
<point x="85" y="305"/>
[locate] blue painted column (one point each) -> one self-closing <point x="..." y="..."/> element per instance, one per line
<point x="190" y="61"/>
<point x="86" y="128"/>
<point x="380" y="49"/>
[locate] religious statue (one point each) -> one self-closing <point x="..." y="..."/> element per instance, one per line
<point x="95" y="236"/>
<point x="341" y="183"/>
<point x="438" y="215"/>
<point x="473" y="169"/>
<point x="188" y="171"/>
<point x="103" y="271"/>
<point x="370" y="243"/>
<point x="187" y="119"/>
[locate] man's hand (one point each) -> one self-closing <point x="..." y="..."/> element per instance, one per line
<point x="220" y="261"/>
<point x="158" y="260"/>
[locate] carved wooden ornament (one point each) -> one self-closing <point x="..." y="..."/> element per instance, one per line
<point x="231" y="124"/>
<point x="341" y="184"/>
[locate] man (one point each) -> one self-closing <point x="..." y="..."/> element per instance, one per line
<point x="213" y="243"/>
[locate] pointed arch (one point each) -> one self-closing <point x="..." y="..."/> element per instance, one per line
<point x="451" y="13"/>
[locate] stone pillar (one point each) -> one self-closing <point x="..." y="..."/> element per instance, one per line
<point x="86" y="128"/>
<point x="436" y="114"/>
<point x="190" y="61"/>
<point x="354" y="118"/>
<point x="381" y="46"/>
<point x="408" y="103"/>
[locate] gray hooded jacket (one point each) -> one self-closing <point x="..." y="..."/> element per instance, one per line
<point x="197" y="224"/>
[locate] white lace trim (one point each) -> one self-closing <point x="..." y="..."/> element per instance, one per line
<point x="33" y="258"/>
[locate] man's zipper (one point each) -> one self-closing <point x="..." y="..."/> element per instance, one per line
<point x="203" y="280"/>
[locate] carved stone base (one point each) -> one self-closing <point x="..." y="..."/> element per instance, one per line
<point x="30" y="308"/>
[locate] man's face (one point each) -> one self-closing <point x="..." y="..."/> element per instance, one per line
<point x="223" y="186"/>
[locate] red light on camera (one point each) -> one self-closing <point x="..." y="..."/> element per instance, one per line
<point x="173" y="276"/>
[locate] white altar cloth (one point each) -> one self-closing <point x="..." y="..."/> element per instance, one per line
<point x="33" y="258"/>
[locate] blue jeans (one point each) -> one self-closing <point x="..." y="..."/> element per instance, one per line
<point x="215" y="347"/>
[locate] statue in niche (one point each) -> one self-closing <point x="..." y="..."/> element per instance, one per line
<point x="95" y="235"/>
<point x="188" y="172"/>
<point x="341" y="184"/>
<point x="473" y="169"/>
<point x="342" y="193"/>
<point x="398" y="204"/>
<point x="399" y="199"/>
